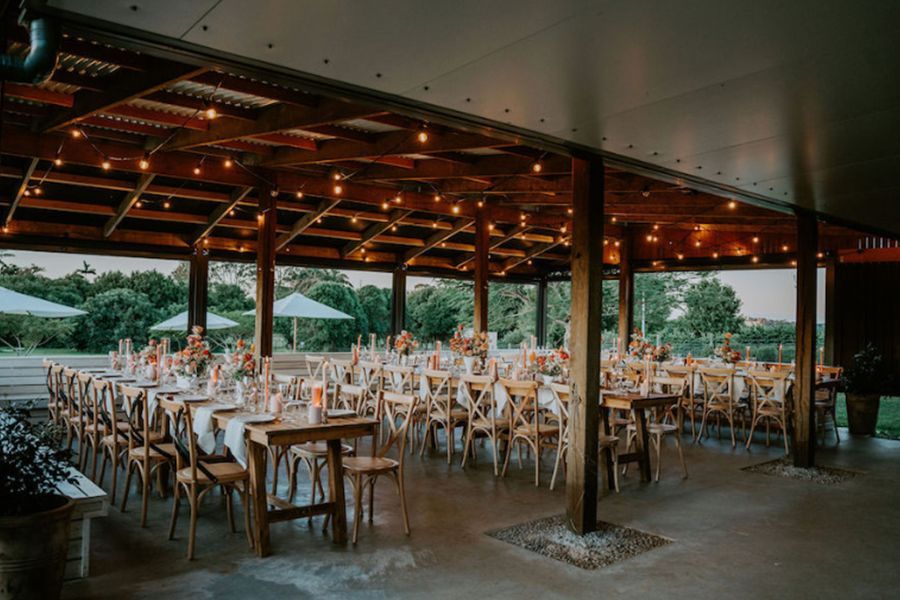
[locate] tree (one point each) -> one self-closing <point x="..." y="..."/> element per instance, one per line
<point x="239" y="274"/>
<point x="711" y="308"/>
<point x="24" y="333"/>
<point x="434" y="311"/>
<point x="376" y="302"/>
<point x="300" y="279"/>
<point x="112" y="315"/>
<point x="331" y="335"/>
<point x="227" y="297"/>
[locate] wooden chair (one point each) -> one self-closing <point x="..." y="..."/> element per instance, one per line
<point x="93" y="427"/>
<point x="665" y="422"/>
<point x="826" y="401"/>
<point x="478" y="390"/>
<point x="691" y="401"/>
<point x="562" y="395"/>
<point x="441" y="410"/>
<point x="398" y="379"/>
<point x="525" y="425"/>
<point x="196" y="475"/>
<point x="314" y="369"/>
<point x="146" y="450"/>
<point x="768" y="393"/>
<point x="71" y="417"/>
<point x="719" y="401"/>
<point x="114" y="440"/>
<point x="363" y="471"/>
<point x="53" y="405"/>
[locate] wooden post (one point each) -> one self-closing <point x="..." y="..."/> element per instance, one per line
<point x="540" y="326"/>
<point x="267" y="220"/>
<point x="398" y="300"/>
<point x="587" y="297"/>
<point x="804" y="430"/>
<point x="626" y="293"/>
<point x="830" y="311"/>
<point x="198" y="287"/>
<point x="482" y="268"/>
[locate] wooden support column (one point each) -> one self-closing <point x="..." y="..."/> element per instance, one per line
<point x="198" y="287"/>
<point x="804" y="430"/>
<point x="540" y="326"/>
<point x="482" y="268"/>
<point x="830" y="310"/>
<point x="265" y="270"/>
<point x="626" y="293"/>
<point x="586" y="324"/>
<point x="398" y="301"/>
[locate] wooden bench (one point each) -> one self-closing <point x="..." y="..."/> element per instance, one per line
<point x="90" y="501"/>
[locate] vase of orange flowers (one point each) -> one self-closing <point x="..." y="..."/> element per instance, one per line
<point x="192" y="362"/>
<point x="405" y="344"/>
<point x="470" y="348"/>
<point x="726" y="352"/>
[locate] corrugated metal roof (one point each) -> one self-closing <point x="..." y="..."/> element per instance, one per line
<point x="204" y="91"/>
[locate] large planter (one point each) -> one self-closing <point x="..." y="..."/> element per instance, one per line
<point x="33" y="551"/>
<point x="862" y="413"/>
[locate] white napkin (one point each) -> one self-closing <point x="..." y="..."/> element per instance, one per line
<point x="203" y="426"/>
<point x="234" y="434"/>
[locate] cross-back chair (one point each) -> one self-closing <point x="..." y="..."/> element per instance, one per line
<point x="526" y="427"/>
<point x="483" y="417"/>
<point x="441" y="410"/>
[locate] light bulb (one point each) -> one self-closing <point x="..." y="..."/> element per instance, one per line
<point x="299" y="195"/>
<point x="228" y="163"/>
<point x="197" y="170"/>
<point x="144" y="164"/>
<point x="423" y="136"/>
<point x="58" y="161"/>
<point x="338" y="190"/>
<point x="211" y="113"/>
<point x="106" y="165"/>
<point x="537" y="167"/>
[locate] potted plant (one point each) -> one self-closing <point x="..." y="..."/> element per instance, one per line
<point x="864" y="381"/>
<point x="34" y="516"/>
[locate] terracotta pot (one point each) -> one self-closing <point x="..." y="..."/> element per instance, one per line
<point x="862" y="413"/>
<point x="33" y="551"/>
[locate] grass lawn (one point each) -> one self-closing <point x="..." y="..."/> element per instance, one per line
<point x="888" y="416"/>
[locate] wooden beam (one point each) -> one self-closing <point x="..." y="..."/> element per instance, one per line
<point x="540" y="325"/>
<point x="831" y="310"/>
<point x="304" y="222"/>
<point x="265" y="271"/>
<point x="125" y="86"/>
<point x="489" y="166"/>
<point x="392" y="143"/>
<point x="398" y="300"/>
<point x="272" y="119"/>
<point x="374" y="230"/>
<point x="626" y="293"/>
<point x="220" y="213"/>
<point x="532" y="253"/>
<point x="482" y="268"/>
<point x="587" y="298"/>
<point x="804" y="421"/>
<point x="437" y="238"/>
<point x="198" y="287"/>
<point x="513" y="233"/>
<point x="126" y="204"/>
<point x="20" y="191"/>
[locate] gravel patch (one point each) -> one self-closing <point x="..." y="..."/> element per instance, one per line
<point x="784" y="467"/>
<point x="551" y="538"/>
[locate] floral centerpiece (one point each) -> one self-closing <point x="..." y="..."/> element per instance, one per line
<point x="726" y="352"/>
<point x="470" y="348"/>
<point x="241" y="361"/>
<point x="552" y="366"/>
<point x="641" y="348"/>
<point x="661" y="353"/>
<point x="195" y="359"/>
<point x="405" y="343"/>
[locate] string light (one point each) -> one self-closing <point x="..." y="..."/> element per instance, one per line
<point x="398" y="199"/>
<point x="570" y="210"/>
<point x="680" y="256"/>
<point x="394" y="228"/>
<point x="385" y="205"/>
<point x="338" y="190"/>
<point x="27" y="192"/>
<point x="793" y="263"/>
<point x="167" y="204"/>
<point x="353" y="219"/>
<point x="755" y="239"/>
<point x="75" y="133"/>
<point x="422" y="136"/>
<point x="144" y="163"/>
<point x="106" y="165"/>
<point x="299" y="195"/>
<point x="697" y="244"/>
<point x="755" y="259"/>
<point x="617" y="243"/>
<point x="732" y="205"/>
<point x="715" y="255"/>
<point x="820" y="255"/>
<point x="231" y="213"/>
<point x="211" y="112"/>
<point x="336" y="175"/>
<point x="649" y="238"/>
<point x="655" y="227"/>
<point x="613" y="220"/>
<point x="490" y="226"/>
<point x="606" y="242"/>
<point x="537" y="167"/>
<point x="480" y="203"/>
<point x="197" y="169"/>
<point x="455" y="209"/>
<point x="138" y="204"/>
<point x="784" y="248"/>
<point x="38" y="191"/>
<point x="58" y="161"/>
<point x="437" y="197"/>
<point x="228" y="163"/>
<point x="434" y="224"/>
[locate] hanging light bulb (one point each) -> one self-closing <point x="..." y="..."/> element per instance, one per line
<point x="617" y="243"/>
<point x="755" y="239"/>
<point x="732" y="205"/>
<point x="75" y="133"/>
<point x="353" y="219"/>
<point x="211" y="112"/>
<point x="613" y="220"/>
<point x="38" y="191"/>
<point x="336" y="175"/>
<point x="231" y="213"/>
<point x="755" y="259"/>
<point x="649" y="238"/>
<point x="398" y="198"/>
<point x="167" y="204"/>
<point x="455" y="209"/>
<point x="228" y="163"/>
<point x="197" y="170"/>
<point x="138" y="204"/>
<point x="144" y="163"/>
<point x="697" y="244"/>
<point x="299" y="195"/>
<point x="680" y="256"/>
<point x="537" y="167"/>
<point x="437" y="197"/>
<point x="394" y="228"/>
<point x="106" y="165"/>
<point x="58" y="161"/>
<point x="784" y="248"/>
<point x="480" y="203"/>
<point x="422" y="136"/>
<point x="385" y="205"/>
<point x="27" y="192"/>
<point x="338" y="189"/>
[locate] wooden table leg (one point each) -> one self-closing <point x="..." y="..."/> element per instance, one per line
<point x="643" y="443"/>
<point x="257" y="464"/>
<point x="336" y="492"/>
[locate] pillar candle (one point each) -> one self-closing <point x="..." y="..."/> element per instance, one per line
<point x="748" y="353"/>
<point x="780" y="346"/>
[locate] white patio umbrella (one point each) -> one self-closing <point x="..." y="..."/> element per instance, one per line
<point x="14" y="303"/>
<point x="299" y="306"/>
<point x="180" y="322"/>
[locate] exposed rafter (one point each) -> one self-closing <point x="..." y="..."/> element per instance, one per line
<point x="220" y="213"/>
<point x="130" y="199"/>
<point x="305" y="222"/>
<point x="374" y="230"/>
<point x="534" y="252"/>
<point x="437" y="238"/>
<point x="517" y="231"/>
<point x="20" y="191"/>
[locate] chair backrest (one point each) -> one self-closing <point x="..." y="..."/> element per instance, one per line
<point x="370" y="377"/>
<point x="104" y="400"/>
<point x="398" y="379"/>
<point x="767" y="387"/>
<point x="135" y="400"/>
<point x="718" y="383"/>
<point x="353" y="397"/>
<point x="562" y="395"/>
<point x="291" y="384"/>
<point x="829" y="373"/>
<point x="523" y="396"/>
<point x="314" y="366"/>
<point x="397" y="407"/>
<point x="48" y="367"/>
<point x="70" y="385"/>
<point x="341" y="370"/>
<point x="86" y="404"/>
<point x="185" y="441"/>
<point x="437" y="390"/>
<point x="478" y="391"/>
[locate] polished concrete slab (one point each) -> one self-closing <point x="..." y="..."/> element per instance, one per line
<point x="735" y="534"/>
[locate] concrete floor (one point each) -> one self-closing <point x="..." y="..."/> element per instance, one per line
<point x="736" y="535"/>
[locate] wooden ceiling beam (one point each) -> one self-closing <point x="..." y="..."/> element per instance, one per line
<point x="387" y="144"/>
<point x="531" y="254"/>
<point x="488" y="166"/>
<point x="220" y="213"/>
<point x="199" y="104"/>
<point x="20" y="191"/>
<point x="374" y="230"/>
<point x="124" y="86"/>
<point x="517" y="231"/>
<point x="36" y="94"/>
<point x="272" y="119"/>
<point x="127" y="203"/>
<point x="437" y="238"/>
<point x="306" y="221"/>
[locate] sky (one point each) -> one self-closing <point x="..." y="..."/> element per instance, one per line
<point x="764" y="293"/>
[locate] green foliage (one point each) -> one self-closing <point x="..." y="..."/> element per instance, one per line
<point x="376" y="302"/>
<point x="434" y="311"/>
<point x="114" y="314"/>
<point x="24" y="333"/>
<point x="330" y="335"/>
<point x="33" y="461"/>
<point x="868" y="373"/>
<point x="711" y="308"/>
<point x="226" y="298"/>
<point x="297" y="279"/>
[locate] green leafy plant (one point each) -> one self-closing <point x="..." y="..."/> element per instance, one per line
<point x="867" y="374"/>
<point x="32" y="462"/>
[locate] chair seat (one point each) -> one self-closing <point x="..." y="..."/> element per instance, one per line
<point x="500" y="425"/>
<point x="456" y="414"/>
<point x="121" y="427"/>
<point x="608" y="441"/>
<point x="224" y="472"/>
<point x="369" y="464"/>
<point x="662" y="428"/>
<point x="154" y="453"/>
<point x="317" y="449"/>
<point x="542" y="429"/>
<point x="117" y="439"/>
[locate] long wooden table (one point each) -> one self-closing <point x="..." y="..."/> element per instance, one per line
<point x="614" y="400"/>
<point x="265" y="436"/>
